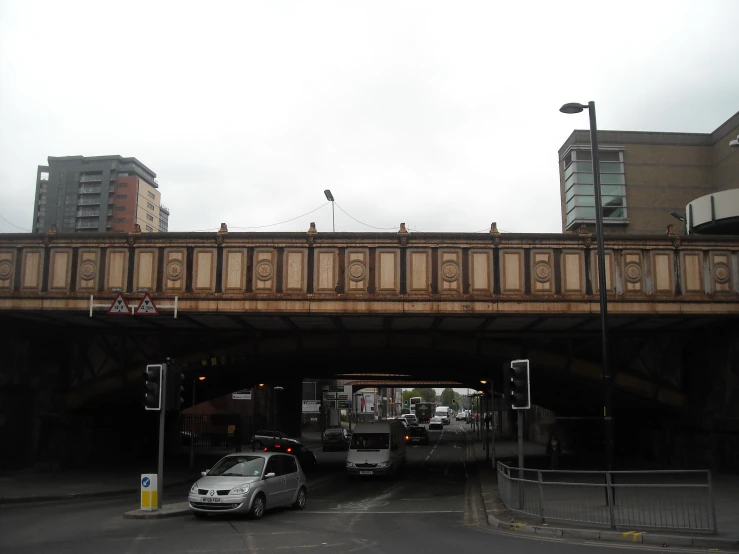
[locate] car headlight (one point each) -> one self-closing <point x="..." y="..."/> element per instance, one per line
<point x="351" y="464"/>
<point x="194" y="488"/>
<point x="241" y="489"/>
<point x="382" y="464"/>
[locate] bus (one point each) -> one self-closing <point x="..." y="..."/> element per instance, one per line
<point x="412" y="403"/>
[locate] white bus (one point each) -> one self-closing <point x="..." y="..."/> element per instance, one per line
<point x="412" y="403"/>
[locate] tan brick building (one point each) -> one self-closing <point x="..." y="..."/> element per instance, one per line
<point x="645" y="176"/>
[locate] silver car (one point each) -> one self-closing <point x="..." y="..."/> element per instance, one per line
<point x="249" y="483"/>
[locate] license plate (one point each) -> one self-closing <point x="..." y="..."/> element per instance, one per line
<point x="208" y="499"/>
<point x="365" y="473"/>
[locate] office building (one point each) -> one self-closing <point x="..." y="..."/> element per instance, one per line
<point x="98" y="193"/>
<point x="646" y="176"/>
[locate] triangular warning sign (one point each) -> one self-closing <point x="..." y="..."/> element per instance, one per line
<point x="119" y="306"/>
<point x="147" y="306"/>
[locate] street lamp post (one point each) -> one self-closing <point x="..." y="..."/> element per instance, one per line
<point x="607" y="378"/>
<point x="330" y="198"/>
<point x="192" y="424"/>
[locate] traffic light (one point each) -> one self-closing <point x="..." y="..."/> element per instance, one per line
<point x="175" y="388"/>
<point x="405" y="403"/>
<point x="153" y="395"/>
<point x="518" y="390"/>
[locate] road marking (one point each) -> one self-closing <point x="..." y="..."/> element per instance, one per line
<point x="334" y="512"/>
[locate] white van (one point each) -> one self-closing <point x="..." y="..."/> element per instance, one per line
<point x="445" y="413"/>
<point x="376" y="449"/>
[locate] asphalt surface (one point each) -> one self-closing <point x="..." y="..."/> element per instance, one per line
<point x="434" y="506"/>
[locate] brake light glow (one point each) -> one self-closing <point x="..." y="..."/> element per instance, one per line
<point x="289" y="449"/>
<point x="265" y="449"/>
<point x="407" y="437"/>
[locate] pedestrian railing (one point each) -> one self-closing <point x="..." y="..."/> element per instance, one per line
<point x="675" y="500"/>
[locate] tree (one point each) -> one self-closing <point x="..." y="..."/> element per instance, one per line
<point x="427" y="395"/>
<point x="448" y="396"/>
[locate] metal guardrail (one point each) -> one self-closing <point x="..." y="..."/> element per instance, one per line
<point x="676" y="500"/>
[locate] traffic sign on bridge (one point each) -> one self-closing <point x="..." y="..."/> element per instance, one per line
<point x="147" y="306"/>
<point x="119" y="306"/>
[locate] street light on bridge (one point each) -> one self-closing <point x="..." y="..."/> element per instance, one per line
<point x="573" y="108"/>
<point x="330" y="198"/>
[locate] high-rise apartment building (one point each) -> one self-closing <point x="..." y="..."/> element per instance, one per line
<point x="98" y="193"/>
<point x="646" y="176"/>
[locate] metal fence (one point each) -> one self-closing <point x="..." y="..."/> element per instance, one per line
<point x="218" y="431"/>
<point x="676" y="500"/>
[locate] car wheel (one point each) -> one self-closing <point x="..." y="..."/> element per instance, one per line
<point x="257" y="507"/>
<point x="257" y="445"/>
<point x="300" y="500"/>
<point x="199" y="515"/>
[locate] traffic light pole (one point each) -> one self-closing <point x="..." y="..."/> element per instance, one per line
<point x="520" y="456"/>
<point x="162" y="416"/>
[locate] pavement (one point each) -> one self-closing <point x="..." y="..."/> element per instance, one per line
<point x="726" y="497"/>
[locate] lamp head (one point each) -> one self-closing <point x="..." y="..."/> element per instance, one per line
<point x="329" y="196"/>
<point x="201" y="378"/>
<point x="677" y="216"/>
<point x="735" y="143"/>
<point x="572" y="107"/>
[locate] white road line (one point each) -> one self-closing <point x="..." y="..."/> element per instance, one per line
<point x="337" y="513"/>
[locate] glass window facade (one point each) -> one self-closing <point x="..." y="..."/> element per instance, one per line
<point x="579" y="192"/>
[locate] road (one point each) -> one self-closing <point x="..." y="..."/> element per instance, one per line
<point x="435" y="506"/>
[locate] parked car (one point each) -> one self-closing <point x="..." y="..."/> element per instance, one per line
<point x="249" y="483"/>
<point x="417" y="435"/>
<point x="461" y="415"/>
<point x="291" y="446"/>
<point x="411" y="419"/>
<point x="336" y="438"/>
<point x="436" y="424"/>
<point x="264" y="436"/>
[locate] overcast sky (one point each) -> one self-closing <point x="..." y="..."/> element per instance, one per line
<point x="440" y="115"/>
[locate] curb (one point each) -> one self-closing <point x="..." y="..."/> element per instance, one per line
<point x="80" y="495"/>
<point x="628" y="537"/>
<point x="167" y="511"/>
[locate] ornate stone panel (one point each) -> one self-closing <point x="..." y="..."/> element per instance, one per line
<point x="325" y="270"/>
<point x="481" y="271"/>
<point x="234" y="270"/>
<point x="721" y="272"/>
<point x="295" y="270"/>
<point x="610" y="266"/>
<point x="32" y="269"/>
<point x="265" y="270"/>
<point x="204" y="270"/>
<point x="387" y="270"/>
<point x="175" y="270"/>
<point x="692" y="272"/>
<point x="511" y="271"/>
<point x="418" y="264"/>
<point x="633" y="271"/>
<point x="7" y="269"/>
<point x="116" y="269"/>
<point x="542" y="271"/>
<point x="60" y="269"/>
<point x="663" y="272"/>
<point x="88" y="269"/>
<point x="356" y="273"/>
<point x="145" y="269"/>
<point x="573" y="272"/>
<point x="450" y="271"/>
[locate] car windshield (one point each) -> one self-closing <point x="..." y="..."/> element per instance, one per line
<point x="333" y="432"/>
<point x="417" y="431"/>
<point x="238" y="466"/>
<point x="370" y="441"/>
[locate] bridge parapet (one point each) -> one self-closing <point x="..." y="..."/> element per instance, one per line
<point x="371" y="272"/>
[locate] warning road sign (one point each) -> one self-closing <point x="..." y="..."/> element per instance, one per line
<point x="119" y="306"/>
<point x="147" y="306"/>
